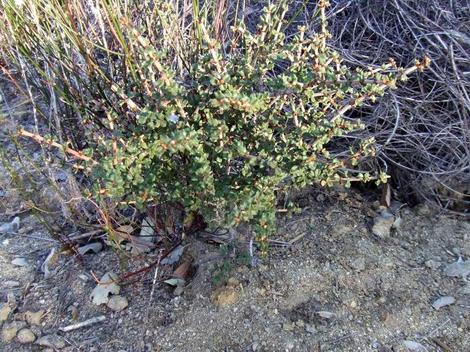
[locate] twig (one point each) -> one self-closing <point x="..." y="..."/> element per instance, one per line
<point x="83" y="324"/>
<point x="41" y="140"/>
<point x="155" y="275"/>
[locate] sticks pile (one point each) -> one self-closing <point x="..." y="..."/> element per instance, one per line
<point x="422" y="129"/>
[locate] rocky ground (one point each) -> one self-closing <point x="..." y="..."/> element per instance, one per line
<point x="332" y="282"/>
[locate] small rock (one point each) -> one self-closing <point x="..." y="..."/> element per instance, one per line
<point x="10" y="330"/>
<point x="225" y="296"/>
<point x="383" y="224"/>
<point x="358" y="264"/>
<point x="432" y="264"/>
<point x="34" y="318"/>
<point x="26" y="336"/>
<point x="20" y="262"/>
<point x="443" y="301"/>
<point x="51" y="341"/>
<point x="300" y="323"/>
<point x="117" y="303"/>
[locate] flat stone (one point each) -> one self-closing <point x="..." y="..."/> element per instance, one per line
<point x="117" y="303"/>
<point x="26" y="336"/>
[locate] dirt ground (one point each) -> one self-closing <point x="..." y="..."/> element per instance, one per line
<point x="338" y="287"/>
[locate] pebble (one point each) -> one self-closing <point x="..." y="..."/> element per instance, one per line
<point x="51" y="341"/>
<point x="117" y="303"/>
<point x="20" y="262"/>
<point x="26" y="336"/>
<point x="11" y="284"/>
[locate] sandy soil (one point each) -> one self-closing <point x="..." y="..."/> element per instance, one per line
<point x="338" y="287"/>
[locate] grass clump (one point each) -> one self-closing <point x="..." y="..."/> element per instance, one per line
<point x="219" y="121"/>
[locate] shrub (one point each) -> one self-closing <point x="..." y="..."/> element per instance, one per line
<point x="173" y="114"/>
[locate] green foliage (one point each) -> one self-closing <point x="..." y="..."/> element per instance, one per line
<point x="222" y="128"/>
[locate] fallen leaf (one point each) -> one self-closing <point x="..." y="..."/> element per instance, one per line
<point x="443" y="301"/>
<point x="182" y="270"/>
<point x="135" y="244"/>
<point x="174" y="256"/>
<point x="106" y="286"/>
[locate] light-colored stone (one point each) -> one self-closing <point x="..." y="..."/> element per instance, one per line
<point x="117" y="303"/>
<point x="10" y="330"/>
<point x="20" y="262"/>
<point x="5" y="311"/>
<point x="51" y="341"/>
<point x="34" y="318"/>
<point x="26" y="336"/>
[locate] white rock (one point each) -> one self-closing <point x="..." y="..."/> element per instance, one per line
<point x="443" y="301"/>
<point x="20" y="262"/>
